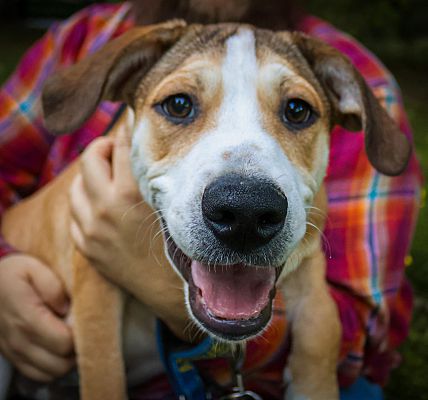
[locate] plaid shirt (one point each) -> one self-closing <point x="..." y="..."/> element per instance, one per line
<point x="371" y="217"/>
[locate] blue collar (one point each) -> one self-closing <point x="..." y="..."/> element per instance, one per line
<point x="178" y="360"/>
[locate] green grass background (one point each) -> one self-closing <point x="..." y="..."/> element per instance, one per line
<point x="407" y="58"/>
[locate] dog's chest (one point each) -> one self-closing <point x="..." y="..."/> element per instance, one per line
<point x="139" y="348"/>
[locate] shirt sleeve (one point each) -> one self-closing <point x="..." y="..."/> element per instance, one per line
<point x="371" y="220"/>
<point x="24" y="142"/>
<point x="369" y="231"/>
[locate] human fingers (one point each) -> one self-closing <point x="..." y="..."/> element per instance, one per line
<point x="82" y="208"/>
<point x="96" y="168"/>
<point x="28" y="290"/>
<point x="38" y="322"/>
<point x="49" y="287"/>
<point x="31" y="372"/>
<point x="91" y="220"/>
<point x="34" y="364"/>
<point x="123" y="177"/>
<point x="22" y="309"/>
<point x="50" y="332"/>
<point x="78" y="237"/>
<point x="45" y="362"/>
<point x="92" y="247"/>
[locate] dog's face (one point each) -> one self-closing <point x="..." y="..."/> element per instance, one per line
<point x="230" y="146"/>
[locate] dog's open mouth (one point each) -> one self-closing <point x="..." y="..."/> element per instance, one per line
<point x="233" y="302"/>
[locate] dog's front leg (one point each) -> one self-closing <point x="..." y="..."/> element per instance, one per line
<point x="315" y="332"/>
<point x="97" y="326"/>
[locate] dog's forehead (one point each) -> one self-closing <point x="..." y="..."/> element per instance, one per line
<point x="232" y="43"/>
<point x="239" y="77"/>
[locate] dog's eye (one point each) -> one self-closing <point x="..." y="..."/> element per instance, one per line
<point x="178" y="106"/>
<point x="297" y="113"/>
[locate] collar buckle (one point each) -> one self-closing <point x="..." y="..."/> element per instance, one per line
<point x="238" y="390"/>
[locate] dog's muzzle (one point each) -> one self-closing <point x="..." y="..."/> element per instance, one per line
<point x="234" y="300"/>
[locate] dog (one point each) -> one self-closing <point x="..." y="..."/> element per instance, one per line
<point x="230" y="143"/>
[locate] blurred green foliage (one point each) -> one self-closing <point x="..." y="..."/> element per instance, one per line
<point x="391" y="28"/>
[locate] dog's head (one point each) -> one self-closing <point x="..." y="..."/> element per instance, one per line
<point x="230" y="145"/>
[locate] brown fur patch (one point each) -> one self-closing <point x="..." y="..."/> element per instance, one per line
<point x="276" y="87"/>
<point x="201" y="81"/>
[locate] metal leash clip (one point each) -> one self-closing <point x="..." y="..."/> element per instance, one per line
<point x="238" y="390"/>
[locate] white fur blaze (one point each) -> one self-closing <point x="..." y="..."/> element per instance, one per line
<point x="239" y="74"/>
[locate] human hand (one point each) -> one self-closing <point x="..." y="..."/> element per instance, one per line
<point x="108" y="227"/>
<point x="33" y="336"/>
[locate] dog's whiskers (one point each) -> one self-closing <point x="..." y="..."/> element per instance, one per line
<point x="152" y="225"/>
<point x="151" y="244"/>
<point x="130" y="208"/>
<point x="323" y="237"/>
<point x="193" y="331"/>
<point x="263" y="338"/>
<point x="321" y="212"/>
<point x="312" y="210"/>
<point x="154" y="252"/>
<point x="149" y="229"/>
<point x="159" y="233"/>
<point x="294" y="261"/>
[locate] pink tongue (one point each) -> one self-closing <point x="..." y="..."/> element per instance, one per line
<point x="234" y="291"/>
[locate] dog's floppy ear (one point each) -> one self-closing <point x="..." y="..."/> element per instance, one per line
<point x="354" y="106"/>
<point x="70" y="96"/>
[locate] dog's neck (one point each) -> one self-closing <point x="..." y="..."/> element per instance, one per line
<point x="269" y="14"/>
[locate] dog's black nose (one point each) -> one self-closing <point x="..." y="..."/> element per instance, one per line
<point x="244" y="213"/>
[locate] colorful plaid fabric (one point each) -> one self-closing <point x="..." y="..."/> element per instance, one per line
<point x="371" y="217"/>
<point x="371" y="220"/>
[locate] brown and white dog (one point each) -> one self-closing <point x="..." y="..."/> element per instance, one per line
<point x="230" y="141"/>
